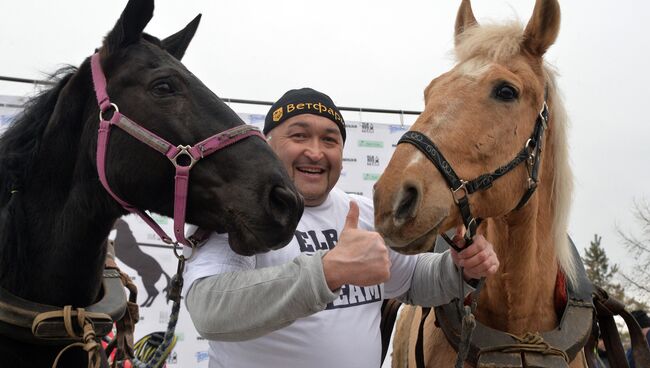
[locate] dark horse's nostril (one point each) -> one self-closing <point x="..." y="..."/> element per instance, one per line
<point x="282" y="201"/>
<point x="408" y="204"/>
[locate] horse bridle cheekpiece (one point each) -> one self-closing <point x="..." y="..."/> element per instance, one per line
<point x="182" y="157"/>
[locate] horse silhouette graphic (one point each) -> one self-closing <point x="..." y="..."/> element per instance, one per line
<point x="127" y="250"/>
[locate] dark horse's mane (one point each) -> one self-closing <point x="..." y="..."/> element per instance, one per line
<point x="19" y="147"/>
<point x="19" y="144"/>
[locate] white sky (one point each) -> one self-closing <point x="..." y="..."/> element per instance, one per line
<point x="382" y="54"/>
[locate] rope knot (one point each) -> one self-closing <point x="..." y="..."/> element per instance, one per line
<point x="88" y="338"/>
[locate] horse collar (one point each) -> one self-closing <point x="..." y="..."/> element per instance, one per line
<point x="493" y="348"/>
<point x="183" y="157"/>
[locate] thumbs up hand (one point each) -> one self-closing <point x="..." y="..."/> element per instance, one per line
<point x="359" y="258"/>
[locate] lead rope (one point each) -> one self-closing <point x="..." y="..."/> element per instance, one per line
<point x="143" y="357"/>
<point x="468" y="323"/>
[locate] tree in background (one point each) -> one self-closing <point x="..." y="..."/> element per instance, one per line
<point x="601" y="273"/>
<point x="638" y="246"/>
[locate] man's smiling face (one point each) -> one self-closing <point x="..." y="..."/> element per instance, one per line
<point x="311" y="148"/>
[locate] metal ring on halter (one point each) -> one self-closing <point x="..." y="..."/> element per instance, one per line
<point x="101" y="112"/>
<point x="175" y="246"/>
<point x="183" y="152"/>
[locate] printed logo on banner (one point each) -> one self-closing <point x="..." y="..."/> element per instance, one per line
<point x="373" y="160"/>
<point x="367" y="128"/>
<point x="172" y="358"/>
<point x="370" y="144"/>
<point x="349" y="159"/>
<point x="201" y="356"/>
<point x="350" y="126"/>
<point x="357" y="193"/>
<point x="256" y="119"/>
<point x="371" y="176"/>
<point x="396" y="128"/>
<point x="163" y="317"/>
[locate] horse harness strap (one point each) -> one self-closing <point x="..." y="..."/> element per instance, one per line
<point x="183" y="157"/>
<point x="556" y="348"/>
<point x="46" y="324"/>
<point x="606" y="308"/>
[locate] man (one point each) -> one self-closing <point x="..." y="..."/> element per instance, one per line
<point x="644" y="322"/>
<point x="316" y="302"/>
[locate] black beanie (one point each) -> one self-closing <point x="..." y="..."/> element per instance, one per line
<point x="303" y="101"/>
<point x="642" y="318"/>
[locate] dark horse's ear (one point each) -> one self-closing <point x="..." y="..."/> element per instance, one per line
<point x="129" y="27"/>
<point x="177" y="43"/>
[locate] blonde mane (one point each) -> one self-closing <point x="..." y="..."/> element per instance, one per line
<point x="499" y="43"/>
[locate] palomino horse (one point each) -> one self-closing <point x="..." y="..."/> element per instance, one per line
<point x="55" y="213"/>
<point x="499" y="102"/>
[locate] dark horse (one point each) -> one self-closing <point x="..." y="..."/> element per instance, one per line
<point x="54" y="213"/>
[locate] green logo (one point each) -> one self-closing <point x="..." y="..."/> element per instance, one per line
<point x="372" y="144"/>
<point x="159" y="219"/>
<point x="371" y="176"/>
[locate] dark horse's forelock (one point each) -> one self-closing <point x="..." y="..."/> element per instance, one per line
<point x="19" y="144"/>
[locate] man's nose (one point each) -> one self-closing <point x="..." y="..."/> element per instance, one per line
<point x="314" y="151"/>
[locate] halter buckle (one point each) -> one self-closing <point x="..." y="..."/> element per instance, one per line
<point x="183" y="151"/>
<point x="462" y="187"/>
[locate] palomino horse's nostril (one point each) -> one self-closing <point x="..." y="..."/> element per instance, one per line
<point x="408" y="203"/>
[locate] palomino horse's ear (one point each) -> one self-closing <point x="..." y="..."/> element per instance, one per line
<point x="129" y="27"/>
<point x="464" y="19"/>
<point x="543" y="27"/>
<point x="177" y="43"/>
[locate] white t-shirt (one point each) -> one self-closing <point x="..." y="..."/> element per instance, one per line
<point x="345" y="334"/>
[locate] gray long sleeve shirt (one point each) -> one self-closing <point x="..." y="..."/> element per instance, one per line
<point x="243" y="305"/>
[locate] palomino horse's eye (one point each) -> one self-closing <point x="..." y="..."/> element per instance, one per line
<point x="505" y="92"/>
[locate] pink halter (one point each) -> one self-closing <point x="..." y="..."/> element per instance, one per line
<point x="194" y="153"/>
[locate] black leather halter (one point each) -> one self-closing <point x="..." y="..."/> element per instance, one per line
<point x="461" y="189"/>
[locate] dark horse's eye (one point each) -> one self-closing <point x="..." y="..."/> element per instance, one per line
<point x="162" y="89"/>
<point x="505" y="92"/>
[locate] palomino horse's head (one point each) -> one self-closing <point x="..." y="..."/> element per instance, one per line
<point x="242" y="189"/>
<point x="480" y="115"/>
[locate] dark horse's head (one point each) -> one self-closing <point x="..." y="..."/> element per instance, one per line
<point x="54" y="212"/>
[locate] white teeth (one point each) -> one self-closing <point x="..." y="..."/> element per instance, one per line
<point x="311" y="171"/>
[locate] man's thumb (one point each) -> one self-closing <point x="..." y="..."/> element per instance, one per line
<point x="352" y="219"/>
